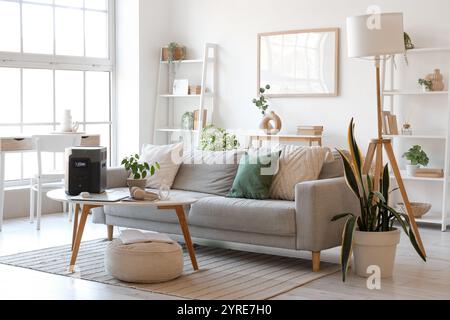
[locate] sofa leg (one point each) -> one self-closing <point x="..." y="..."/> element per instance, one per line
<point x="110" y="233"/>
<point x="316" y="261"/>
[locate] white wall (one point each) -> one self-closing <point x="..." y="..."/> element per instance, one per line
<point x="142" y="27"/>
<point x="233" y="24"/>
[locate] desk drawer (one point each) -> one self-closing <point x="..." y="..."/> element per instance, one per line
<point x="16" y="144"/>
<point x="90" y="140"/>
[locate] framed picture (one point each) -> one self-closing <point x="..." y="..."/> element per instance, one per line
<point x="299" y="63"/>
<point x="180" y="87"/>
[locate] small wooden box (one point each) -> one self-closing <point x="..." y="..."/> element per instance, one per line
<point x="195" y="90"/>
<point x="310" y="130"/>
<point x="196" y="114"/>
<point x="429" y="173"/>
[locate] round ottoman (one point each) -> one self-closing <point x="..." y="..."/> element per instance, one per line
<point x="149" y="262"/>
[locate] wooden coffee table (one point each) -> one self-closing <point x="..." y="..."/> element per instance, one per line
<point x="175" y="203"/>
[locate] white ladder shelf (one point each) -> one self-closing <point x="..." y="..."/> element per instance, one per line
<point x="439" y="217"/>
<point x="166" y="101"/>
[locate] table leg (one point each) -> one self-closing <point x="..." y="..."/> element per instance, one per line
<point x="187" y="236"/>
<point x="75" y="223"/>
<point x="110" y="232"/>
<point x="79" y="236"/>
<point x="2" y="187"/>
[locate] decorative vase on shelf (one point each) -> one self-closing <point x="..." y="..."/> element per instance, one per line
<point x="437" y="80"/>
<point x="411" y="169"/>
<point x="187" y="121"/>
<point x="406" y="129"/>
<point x="271" y="123"/>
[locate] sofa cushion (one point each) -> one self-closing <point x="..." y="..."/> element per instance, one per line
<point x="274" y="217"/>
<point x="208" y="171"/>
<point x="152" y="213"/>
<point x="297" y="164"/>
<point x="255" y="175"/>
<point x="169" y="158"/>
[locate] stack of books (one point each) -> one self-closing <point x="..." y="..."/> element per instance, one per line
<point x="390" y="126"/>
<point x="310" y="130"/>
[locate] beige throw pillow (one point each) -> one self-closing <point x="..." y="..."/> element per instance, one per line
<point x="297" y="164"/>
<point x="169" y="158"/>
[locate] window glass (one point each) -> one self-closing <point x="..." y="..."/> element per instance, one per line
<point x="37" y="95"/>
<point x="37" y="28"/>
<point x="9" y="26"/>
<point x="10" y="95"/>
<point x="69" y="32"/>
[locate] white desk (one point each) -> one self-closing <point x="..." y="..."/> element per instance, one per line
<point x="24" y="144"/>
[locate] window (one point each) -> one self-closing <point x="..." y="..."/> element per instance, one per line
<point x="54" y="55"/>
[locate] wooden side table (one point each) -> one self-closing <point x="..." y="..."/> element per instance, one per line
<point x="175" y="204"/>
<point x="259" y="138"/>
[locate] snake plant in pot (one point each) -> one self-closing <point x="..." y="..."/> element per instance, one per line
<point x="371" y="235"/>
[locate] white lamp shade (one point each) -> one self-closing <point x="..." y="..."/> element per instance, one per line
<point x="375" y="35"/>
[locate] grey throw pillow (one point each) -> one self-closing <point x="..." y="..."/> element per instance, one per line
<point x="211" y="172"/>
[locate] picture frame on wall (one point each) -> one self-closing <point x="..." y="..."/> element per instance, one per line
<point x="180" y="87"/>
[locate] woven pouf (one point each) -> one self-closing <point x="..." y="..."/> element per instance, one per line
<point x="150" y="262"/>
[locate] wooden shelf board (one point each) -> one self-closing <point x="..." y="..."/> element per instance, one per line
<point x="185" y="61"/>
<point x="428" y="50"/>
<point x="432" y="217"/>
<point x="413" y="93"/>
<point x="405" y="177"/>
<point x="176" y="130"/>
<point x="417" y="136"/>
<point x="208" y="95"/>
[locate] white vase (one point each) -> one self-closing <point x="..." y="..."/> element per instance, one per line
<point x="375" y="249"/>
<point x="411" y="169"/>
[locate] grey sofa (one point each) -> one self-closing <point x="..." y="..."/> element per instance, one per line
<point x="303" y="224"/>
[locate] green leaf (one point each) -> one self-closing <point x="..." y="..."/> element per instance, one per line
<point x="349" y="175"/>
<point x="147" y="166"/>
<point x="144" y="174"/>
<point x="152" y="170"/>
<point x="340" y="216"/>
<point x="267" y="87"/>
<point x="379" y="196"/>
<point x="136" y="156"/>
<point x="157" y="165"/>
<point x="347" y="245"/>
<point x="137" y="176"/>
<point x="414" y="243"/>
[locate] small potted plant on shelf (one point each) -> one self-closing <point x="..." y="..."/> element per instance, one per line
<point x="370" y="236"/>
<point x="417" y="157"/>
<point x="427" y="85"/>
<point x="139" y="171"/>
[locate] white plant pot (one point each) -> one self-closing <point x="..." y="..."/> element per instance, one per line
<point x="411" y="169"/>
<point x="375" y="249"/>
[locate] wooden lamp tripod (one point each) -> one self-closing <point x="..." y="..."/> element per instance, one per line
<point x="374" y="36"/>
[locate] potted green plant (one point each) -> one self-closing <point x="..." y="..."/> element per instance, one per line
<point x="417" y="157"/>
<point x="139" y="171"/>
<point x="426" y="85"/>
<point x="261" y="103"/>
<point x="371" y="235"/>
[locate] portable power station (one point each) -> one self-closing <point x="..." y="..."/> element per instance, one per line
<point x="85" y="170"/>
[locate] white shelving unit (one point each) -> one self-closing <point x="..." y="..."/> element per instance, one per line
<point x="439" y="217"/>
<point x="165" y="121"/>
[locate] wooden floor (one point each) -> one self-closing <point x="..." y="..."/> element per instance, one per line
<point x="413" y="278"/>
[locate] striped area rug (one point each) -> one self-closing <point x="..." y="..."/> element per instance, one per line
<point x="224" y="273"/>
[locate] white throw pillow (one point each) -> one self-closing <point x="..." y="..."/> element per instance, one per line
<point x="169" y="158"/>
<point x="297" y="164"/>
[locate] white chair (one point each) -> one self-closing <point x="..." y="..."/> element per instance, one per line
<point x="44" y="181"/>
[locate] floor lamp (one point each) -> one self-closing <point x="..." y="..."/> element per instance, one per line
<point x="375" y="37"/>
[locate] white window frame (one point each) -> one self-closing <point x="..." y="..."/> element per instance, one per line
<point x="55" y="62"/>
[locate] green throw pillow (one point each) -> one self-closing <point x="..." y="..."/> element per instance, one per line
<point x="254" y="176"/>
